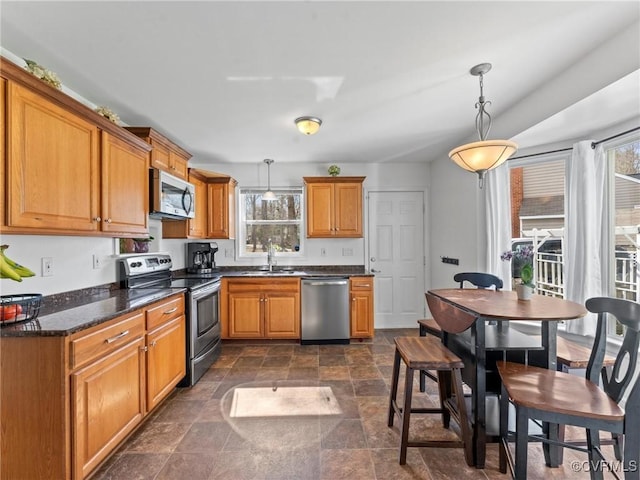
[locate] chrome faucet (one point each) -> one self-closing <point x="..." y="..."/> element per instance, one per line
<point x="270" y="256"/>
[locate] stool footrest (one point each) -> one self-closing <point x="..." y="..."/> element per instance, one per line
<point x="436" y="443"/>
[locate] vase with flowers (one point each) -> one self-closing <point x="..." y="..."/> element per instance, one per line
<point x="522" y="259"/>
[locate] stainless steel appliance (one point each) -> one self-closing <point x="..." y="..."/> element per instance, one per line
<point x="170" y="197"/>
<point x="325" y="310"/>
<point x="153" y="272"/>
<point x="201" y="257"/>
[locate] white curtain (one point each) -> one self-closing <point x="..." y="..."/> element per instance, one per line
<point x="585" y="229"/>
<point x="497" y="188"/>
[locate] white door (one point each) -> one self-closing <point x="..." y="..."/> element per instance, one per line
<point x="396" y="256"/>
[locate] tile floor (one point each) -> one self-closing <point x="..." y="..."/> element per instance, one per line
<point x="192" y="437"/>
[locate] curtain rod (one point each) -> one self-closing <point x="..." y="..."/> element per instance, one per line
<point x="568" y="149"/>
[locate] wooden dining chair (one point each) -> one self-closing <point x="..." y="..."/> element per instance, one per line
<point x="478" y="280"/>
<point x="562" y="398"/>
<point x="428" y="326"/>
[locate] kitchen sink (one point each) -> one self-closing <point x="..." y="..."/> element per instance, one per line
<point x="274" y="273"/>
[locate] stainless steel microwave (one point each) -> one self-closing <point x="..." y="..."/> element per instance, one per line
<point x="171" y="197"/>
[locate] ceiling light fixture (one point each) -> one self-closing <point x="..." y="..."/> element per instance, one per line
<point x="308" y="125"/>
<point x="268" y="195"/>
<point x="482" y="156"/>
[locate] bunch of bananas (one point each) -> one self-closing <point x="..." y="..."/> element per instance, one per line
<point x="11" y="269"/>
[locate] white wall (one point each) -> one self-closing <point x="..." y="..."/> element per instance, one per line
<point x="456" y="217"/>
<point x="73" y="256"/>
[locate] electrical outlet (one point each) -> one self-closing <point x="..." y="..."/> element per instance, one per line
<point x="323" y="252"/>
<point x="347" y="252"/>
<point x="97" y="262"/>
<point x="47" y="266"/>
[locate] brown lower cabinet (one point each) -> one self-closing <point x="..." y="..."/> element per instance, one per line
<point x="261" y="308"/>
<point x="68" y="401"/>
<point x="361" y="293"/>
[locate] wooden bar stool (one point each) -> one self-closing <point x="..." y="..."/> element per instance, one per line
<point x="428" y="353"/>
<point x="428" y="326"/>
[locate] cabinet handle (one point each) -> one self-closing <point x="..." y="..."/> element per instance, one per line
<point x="170" y="311"/>
<point x="117" y="337"/>
<point x="144" y="349"/>
<point x="153" y="344"/>
<point x="365" y="285"/>
<point x="97" y="219"/>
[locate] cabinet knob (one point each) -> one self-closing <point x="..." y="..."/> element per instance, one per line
<point x="108" y="220"/>
<point x="353" y="299"/>
<point x="97" y="219"/>
<point x="153" y="344"/>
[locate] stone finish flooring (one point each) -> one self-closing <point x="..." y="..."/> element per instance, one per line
<point x="189" y="437"/>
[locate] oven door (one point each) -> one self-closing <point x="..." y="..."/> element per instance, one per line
<point x="204" y="318"/>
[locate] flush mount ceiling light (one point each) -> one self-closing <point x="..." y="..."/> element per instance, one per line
<point x="308" y="125"/>
<point x="482" y="156"/>
<point x="268" y="195"/>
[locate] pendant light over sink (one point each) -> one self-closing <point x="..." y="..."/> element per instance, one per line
<point x="268" y="196"/>
<point x="482" y="156"/>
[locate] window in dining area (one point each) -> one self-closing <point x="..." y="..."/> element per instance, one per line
<point x="623" y="160"/>
<point x="538" y="202"/>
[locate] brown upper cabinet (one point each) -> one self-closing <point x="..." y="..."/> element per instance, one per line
<point x="166" y="155"/>
<point x="215" y="208"/>
<point x="334" y="206"/>
<point x="221" y="201"/>
<point x="68" y="170"/>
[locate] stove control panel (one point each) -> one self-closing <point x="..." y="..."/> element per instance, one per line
<point x="143" y="264"/>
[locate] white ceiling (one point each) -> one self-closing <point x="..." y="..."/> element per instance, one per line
<point x="389" y="79"/>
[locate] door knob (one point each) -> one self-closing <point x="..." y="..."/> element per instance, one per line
<point x="373" y="259"/>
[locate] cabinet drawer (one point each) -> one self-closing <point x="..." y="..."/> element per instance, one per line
<point x="105" y="339"/>
<point x="159" y="313"/>
<point x="361" y="283"/>
<point x="264" y="285"/>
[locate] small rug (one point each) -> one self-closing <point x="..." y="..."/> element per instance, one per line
<point x="283" y="402"/>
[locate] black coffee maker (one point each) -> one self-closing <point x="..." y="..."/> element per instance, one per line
<point x="201" y="257"/>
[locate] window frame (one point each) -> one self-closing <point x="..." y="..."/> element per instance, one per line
<point x="242" y="222"/>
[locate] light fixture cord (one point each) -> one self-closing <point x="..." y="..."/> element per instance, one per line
<point x="268" y="176"/>
<point x="481" y="127"/>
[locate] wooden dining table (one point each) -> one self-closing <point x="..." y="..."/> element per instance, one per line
<point x="474" y="324"/>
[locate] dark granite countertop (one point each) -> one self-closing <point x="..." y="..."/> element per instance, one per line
<point x="70" y="312"/>
<point x="64" y="319"/>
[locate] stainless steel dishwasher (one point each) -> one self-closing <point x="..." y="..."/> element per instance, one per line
<point x="325" y="310"/>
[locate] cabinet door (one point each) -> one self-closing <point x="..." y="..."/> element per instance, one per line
<point x="125" y="187"/>
<point x="198" y="225"/>
<point x="220" y="210"/>
<point x="320" y="210"/>
<point x="53" y="176"/>
<point x="160" y="156"/>
<point x="245" y="315"/>
<point x="361" y="290"/>
<point x="3" y="129"/>
<point x="166" y="364"/>
<point x="348" y="209"/>
<point x="107" y="402"/>
<point x="282" y="315"/>
<point x="178" y="165"/>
